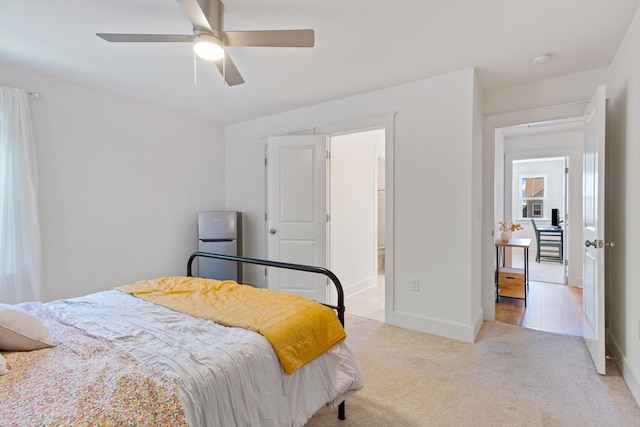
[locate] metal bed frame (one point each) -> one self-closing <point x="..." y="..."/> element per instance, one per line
<point x="339" y="307"/>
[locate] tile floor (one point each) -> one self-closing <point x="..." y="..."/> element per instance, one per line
<point x="368" y="303"/>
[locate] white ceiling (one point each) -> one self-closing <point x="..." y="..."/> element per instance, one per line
<point x="361" y="45"/>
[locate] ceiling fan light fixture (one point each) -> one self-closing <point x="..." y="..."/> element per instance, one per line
<point x="208" y="46"/>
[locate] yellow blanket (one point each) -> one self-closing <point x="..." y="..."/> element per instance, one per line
<point x="298" y="328"/>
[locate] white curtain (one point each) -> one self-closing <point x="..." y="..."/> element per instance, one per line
<point x="20" y="247"/>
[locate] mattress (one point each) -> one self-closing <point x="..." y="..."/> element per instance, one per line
<point x="224" y="376"/>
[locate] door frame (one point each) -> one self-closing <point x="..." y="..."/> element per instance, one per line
<point x="573" y="237"/>
<point x="596" y="345"/>
<point x="386" y="122"/>
<point x="493" y="181"/>
<point x="362" y="149"/>
<point x="572" y="272"/>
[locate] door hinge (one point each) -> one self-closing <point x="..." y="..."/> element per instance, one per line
<point x="328" y="217"/>
<point x="265" y="161"/>
<point x="328" y="155"/>
<point x="566" y="170"/>
<point x="265" y="216"/>
<point x="566" y="262"/>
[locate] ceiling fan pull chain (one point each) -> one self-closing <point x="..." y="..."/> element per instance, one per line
<point x="195" y="72"/>
<point x="224" y="65"/>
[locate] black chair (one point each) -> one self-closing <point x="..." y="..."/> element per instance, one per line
<point x="548" y="238"/>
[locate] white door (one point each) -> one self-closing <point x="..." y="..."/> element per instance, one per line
<point x="593" y="230"/>
<point x="566" y="224"/>
<point x="297" y="212"/>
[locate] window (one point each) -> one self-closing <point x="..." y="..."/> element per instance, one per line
<point x="532" y="196"/>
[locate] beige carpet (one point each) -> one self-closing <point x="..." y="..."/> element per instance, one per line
<point x="511" y="376"/>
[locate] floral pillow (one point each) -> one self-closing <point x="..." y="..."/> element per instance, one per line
<point x="20" y="331"/>
<point x="3" y="366"/>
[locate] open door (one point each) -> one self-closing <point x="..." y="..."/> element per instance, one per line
<point x="297" y="212"/>
<point x="593" y="229"/>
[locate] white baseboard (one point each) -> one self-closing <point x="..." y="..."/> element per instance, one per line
<point x="456" y="331"/>
<point x="477" y="323"/>
<point x="631" y="377"/>
<point x="358" y="287"/>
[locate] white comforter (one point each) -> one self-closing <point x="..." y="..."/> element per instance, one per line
<point x="225" y="376"/>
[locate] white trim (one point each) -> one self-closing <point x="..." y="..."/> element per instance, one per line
<point x="355" y="125"/>
<point x="491" y="177"/>
<point x="456" y="331"/>
<point x="631" y="377"/>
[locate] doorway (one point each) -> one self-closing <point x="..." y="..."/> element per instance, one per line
<point x="549" y="154"/>
<point x="358" y="221"/>
<point x="357" y="268"/>
<point x="536" y="191"/>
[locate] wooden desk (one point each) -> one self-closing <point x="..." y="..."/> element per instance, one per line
<point x="512" y="282"/>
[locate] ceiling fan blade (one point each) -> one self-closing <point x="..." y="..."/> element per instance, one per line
<point x="203" y="14"/>
<point x="270" y="38"/>
<point x="228" y="69"/>
<point x="145" y="38"/>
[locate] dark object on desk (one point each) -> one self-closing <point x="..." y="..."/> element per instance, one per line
<point x="550" y="243"/>
<point x="555" y="217"/>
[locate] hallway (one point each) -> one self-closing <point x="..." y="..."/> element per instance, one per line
<point x="550" y="307"/>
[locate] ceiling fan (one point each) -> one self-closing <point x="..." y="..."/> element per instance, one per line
<point x="209" y="38"/>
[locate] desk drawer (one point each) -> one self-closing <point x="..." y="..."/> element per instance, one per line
<point x="511" y="290"/>
<point x="511" y="284"/>
<point x="509" y="277"/>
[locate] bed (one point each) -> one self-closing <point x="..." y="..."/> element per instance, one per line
<point x="115" y="358"/>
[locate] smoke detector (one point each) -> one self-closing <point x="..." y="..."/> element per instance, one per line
<point x="541" y="58"/>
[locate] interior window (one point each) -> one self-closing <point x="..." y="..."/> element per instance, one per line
<point x="532" y="194"/>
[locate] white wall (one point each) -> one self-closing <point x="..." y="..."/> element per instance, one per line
<point x="120" y="185"/>
<point x="475" y="209"/>
<point x="557" y="91"/>
<point x="433" y="161"/>
<point x="354" y="209"/>
<point x="623" y="205"/>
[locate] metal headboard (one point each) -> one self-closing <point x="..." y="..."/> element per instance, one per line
<point x="299" y="267"/>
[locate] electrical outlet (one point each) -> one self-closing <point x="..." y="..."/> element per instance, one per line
<point x="415" y="285"/>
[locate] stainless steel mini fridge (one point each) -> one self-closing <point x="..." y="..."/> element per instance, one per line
<point x="220" y="232"/>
